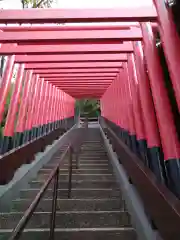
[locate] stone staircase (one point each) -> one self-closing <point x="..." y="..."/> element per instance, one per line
<point x="95" y="211"/>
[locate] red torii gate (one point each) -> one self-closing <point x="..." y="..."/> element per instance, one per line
<point x="105" y="62"/>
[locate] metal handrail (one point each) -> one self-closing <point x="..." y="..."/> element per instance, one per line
<point x="16" y="234"/>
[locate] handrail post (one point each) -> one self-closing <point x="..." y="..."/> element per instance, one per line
<point x="54" y="206"/>
<point x="70" y="171"/>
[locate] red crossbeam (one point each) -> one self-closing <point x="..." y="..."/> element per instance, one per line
<point x="65" y="28"/>
<point x="72" y="37"/>
<point x="72" y="65"/>
<point x="82" y="82"/>
<point x="80" y="79"/>
<point x="8" y="48"/>
<point x="68" y="72"/>
<point x="78" y="15"/>
<point x="80" y="75"/>
<point x="72" y="58"/>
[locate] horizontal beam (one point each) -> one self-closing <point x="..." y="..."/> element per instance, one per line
<point x="97" y="86"/>
<point x="83" y="88"/>
<point x="94" y="78"/>
<point x="83" y="83"/>
<point x="87" y="89"/>
<point x="21" y="28"/>
<point x="78" y="15"/>
<point x="80" y="81"/>
<point x="72" y="37"/>
<point x="72" y="58"/>
<point x="57" y="49"/>
<point x="71" y="65"/>
<point x="77" y="71"/>
<point x="74" y="76"/>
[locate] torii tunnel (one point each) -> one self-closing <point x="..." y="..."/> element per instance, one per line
<point x="121" y="65"/>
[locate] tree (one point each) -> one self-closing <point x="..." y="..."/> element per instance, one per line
<point x="36" y="3"/>
<point x="88" y="107"/>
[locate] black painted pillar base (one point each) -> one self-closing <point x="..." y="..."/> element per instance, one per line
<point x="142" y="151"/>
<point x="126" y="137"/>
<point x="18" y="139"/>
<point x="156" y="163"/>
<point x="7" y="144"/>
<point x="173" y="175"/>
<point x="27" y="136"/>
<point x="133" y="143"/>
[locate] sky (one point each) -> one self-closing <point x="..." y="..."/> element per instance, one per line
<point x="16" y="4"/>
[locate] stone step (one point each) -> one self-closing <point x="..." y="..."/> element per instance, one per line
<point x="93" y="158"/>
<point x="75" y="193"/>
<point x="82" y="161"/>
<point x="72" y="219"/>
<point x="77" y="171"/>
<point x="77" y="177"/>
<point x="77" y="234"/>
<point x="93" y="155"/>
<point x="78" y="184"/>
<point x="81" y="204"/>
<point x="81" y="166"/>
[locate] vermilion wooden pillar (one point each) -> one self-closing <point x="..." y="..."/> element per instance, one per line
<point x="150" y="122"/>
<point x="171" y="44"/>
<point x="9" y="129"/>
<point x="123" y="107"/>
<point x="129" y="106"/>
<point x="169" y="139"/>
<point x="20" y="126"/>
<point x="30" y="109"/>
<point x="5" y="83"/>
<point x="43" y="107"/>
<point x="33" y="107"/>
<point x="137" y="109"/>
<point x="36" y="123"/>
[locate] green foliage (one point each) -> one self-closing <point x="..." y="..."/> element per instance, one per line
<point x="36" y="3"/>
<point x="88" y="107"/>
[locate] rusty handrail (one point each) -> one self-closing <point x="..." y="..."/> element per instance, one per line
<point x="16" y="234"/>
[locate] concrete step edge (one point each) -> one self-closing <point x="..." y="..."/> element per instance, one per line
<point x="66" y="212"/>
<point x="72" y="229"/>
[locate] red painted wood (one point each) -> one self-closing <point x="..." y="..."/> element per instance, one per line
<point x="38" y="103"/>
<point x="33" y="101"/>
<point x="44" y="102"/>
<point x="22" y="28"/>
<point x="30" y="99"/>
<point x="83" y="37"/>
<point x="9" y="127"/>
<point x="57" y="48"/>
<point x="77" y="71"/>
<point x="55" y="108"/>
<point x="20" y="127"/>
<point x="47" y="110"/>
<point x="82" y="84"/>
<point x="77" y="76"/>
<point x="150" y="121"/>
<point x="51" y="104"/>
<point x="5" y="83"/>
<point x="169" y="139"/>
<point x="78" y="15"/>
<point x="171" y="44"/>
<point x="137" y="109"/>
<point x="72" y="65"/>
<point x="72" y="58"/>
<point x="85" y="79"/>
